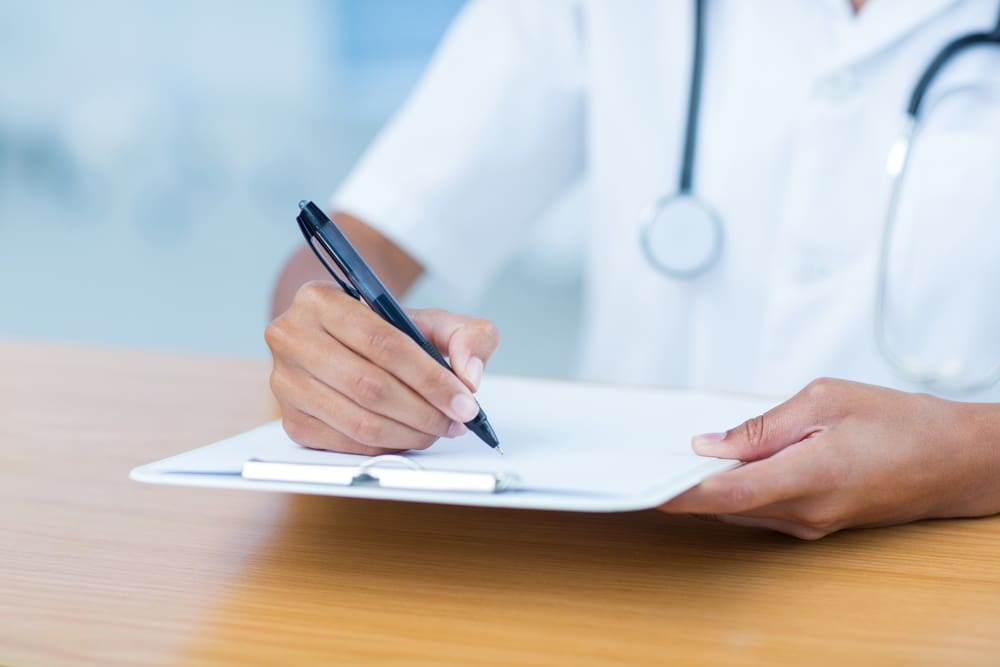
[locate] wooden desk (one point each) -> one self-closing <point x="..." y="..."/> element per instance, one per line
<point x="98" y="570"/>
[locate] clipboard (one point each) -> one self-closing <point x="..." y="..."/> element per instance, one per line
<point x="569" y="446"/>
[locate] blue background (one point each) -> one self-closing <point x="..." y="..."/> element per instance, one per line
<point x="152" y="154"/>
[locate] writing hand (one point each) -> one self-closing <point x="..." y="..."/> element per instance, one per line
<point x="348" y="381"/>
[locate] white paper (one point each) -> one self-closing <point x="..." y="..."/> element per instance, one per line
<point x="573" y="446"/>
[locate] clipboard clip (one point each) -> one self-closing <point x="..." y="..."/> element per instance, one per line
<point x="389" y="471"/>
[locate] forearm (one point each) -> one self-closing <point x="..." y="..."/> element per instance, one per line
<point x="978" y="446"/>
<point x="392" y="264"/>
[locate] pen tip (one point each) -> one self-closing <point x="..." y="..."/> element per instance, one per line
<point x="499" y="449"/>
<point x="303" y="203"/>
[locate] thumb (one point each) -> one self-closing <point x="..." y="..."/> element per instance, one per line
<point x="761" y="436"/>
<point x="468" y="342"/>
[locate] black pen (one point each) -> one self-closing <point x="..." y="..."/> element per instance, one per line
<point x="365" y="285"/>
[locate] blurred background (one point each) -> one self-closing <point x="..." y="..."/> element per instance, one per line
<point x="152" y="155"/>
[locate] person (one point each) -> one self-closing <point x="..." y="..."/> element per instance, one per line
<point x="799" y="103"/>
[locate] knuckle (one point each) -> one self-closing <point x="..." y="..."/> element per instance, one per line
<point x="276" y="334"/>
<point x="423" y="442"/>
<point x="295" y="428"/>
<point x="366" y="450"/>
<point x="809" y="533"/>
<point x="311" y="293"/>
<point x="338" y="442"/>
<point x="278" y="382"/>
<point x="434" y="422"/>
<point x="827" y="399"/>
<point x="366" y="429"/>
<point x="753" y="432"/>
<point x="820" y="518"/>
<point x="488" y="331"/>
<point x="737" y="496"/>
<point x="821" y="389"/>
<point x="436" y="378"/>
<point x="335" y="441"/>
<point x="368" y="390"/>
<point x="382" y="343"/>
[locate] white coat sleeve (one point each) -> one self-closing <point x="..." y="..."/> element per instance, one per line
<point x="491" y="135"/>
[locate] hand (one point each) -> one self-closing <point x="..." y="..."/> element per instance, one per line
<point x="348" y="381"/>
<point x="841" y="454"/>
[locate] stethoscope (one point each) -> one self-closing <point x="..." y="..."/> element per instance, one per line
<point x="682" y="236"/>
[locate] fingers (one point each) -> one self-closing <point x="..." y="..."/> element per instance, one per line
<point x="308" y="431"/>
<point x="786" y="475"/>
<point x="793" y="421"/>
<point x="373" y="388"/>
<point x="383" y="345"/>
<point x="789" y="492"/>
<point x="467" y="341"/>
<point x="349" y="427"/>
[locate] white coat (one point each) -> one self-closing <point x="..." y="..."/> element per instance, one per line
<point x="801" y="102"/>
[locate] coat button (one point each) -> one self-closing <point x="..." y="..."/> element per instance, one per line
<point x="812" y="266"/>
<point x="837" y="87"/>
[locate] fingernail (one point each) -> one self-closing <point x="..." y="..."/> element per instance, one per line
<point x="456" y="429"/>
<point x="708" y="444"/>
<point x="474" y="371"/>
<point x="464" y="407"/>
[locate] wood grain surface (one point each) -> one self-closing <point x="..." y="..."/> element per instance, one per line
<point x="99" y="570"/>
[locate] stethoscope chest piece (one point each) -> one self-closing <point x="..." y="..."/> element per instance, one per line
<point x="681" y="236"/>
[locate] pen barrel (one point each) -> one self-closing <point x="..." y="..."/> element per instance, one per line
<point x="429" y="348"/>
<point x="395" y="316"/>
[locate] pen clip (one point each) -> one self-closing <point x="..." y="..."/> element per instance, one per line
<point x="311" y="240"/>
